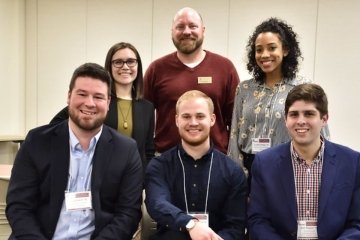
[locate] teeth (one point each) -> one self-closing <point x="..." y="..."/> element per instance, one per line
<point x="301" y="130"/>
<point x="87" y="113"/>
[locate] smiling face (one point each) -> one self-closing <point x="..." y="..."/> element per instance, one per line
<point x="88" y="103"/>
<point x="187" y="31"/>
<point x="269" y="53"/>
<point x="194" y="120"/>
<point x="124" y="75"/>
<point x="304" y="124"/>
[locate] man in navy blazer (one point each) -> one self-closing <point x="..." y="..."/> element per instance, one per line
<point x="308" y="188"/>
<point x="78" y="179"/>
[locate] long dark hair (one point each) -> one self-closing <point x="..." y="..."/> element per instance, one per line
<point x="138" y="87"/>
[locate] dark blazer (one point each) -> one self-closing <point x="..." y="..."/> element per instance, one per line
<point x="143" y="125"/>
<point x="273" y="207"/>
<point x="40" y="174"/>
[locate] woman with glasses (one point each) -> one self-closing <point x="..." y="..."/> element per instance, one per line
<point x="128" y="112"/>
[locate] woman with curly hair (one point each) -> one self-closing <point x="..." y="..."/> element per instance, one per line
<point x="258" y="118"/>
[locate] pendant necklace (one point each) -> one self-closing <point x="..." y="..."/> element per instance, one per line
<point x="125" y="124"/>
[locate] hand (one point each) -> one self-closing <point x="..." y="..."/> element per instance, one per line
<point x="203" y="232"/>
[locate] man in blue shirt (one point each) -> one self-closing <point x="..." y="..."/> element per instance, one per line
<point x="77" y="179"/>
<point x="194" y="191"/>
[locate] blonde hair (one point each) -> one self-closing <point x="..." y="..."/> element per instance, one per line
<point x="195" y="94"/>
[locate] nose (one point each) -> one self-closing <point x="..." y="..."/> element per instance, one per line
<point x="193" y="121"/>
<point x="265" y="54"/>
<point x="301" y="120"/>
<point x="187" y="30"/>
<point x="90" y="101"/>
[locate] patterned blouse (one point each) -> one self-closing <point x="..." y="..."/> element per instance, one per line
<point x="259" y="112"/>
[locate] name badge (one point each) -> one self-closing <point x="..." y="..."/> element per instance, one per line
<point x="201" y="217"/>
<point x="259" y="144"/>
<point x="307" y="229"/>
<point x="204" y="80"/>
<point x="75" y="201"/>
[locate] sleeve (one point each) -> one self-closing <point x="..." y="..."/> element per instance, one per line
<point x="233" y="82"/>
<point x="150" y="147"/>
<point x="234" y="148"/>
<point x="158" y="198"/>
<point x="23" y="196"/>
<point x="235" y="208"/>
<point x="60" y="116"/>
<point x="149" y="79"/>
<point x="259" y="215"/>
<point x="127" y="206"/>
<point x="351" y="230"/>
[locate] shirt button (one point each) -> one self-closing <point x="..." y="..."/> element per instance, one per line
<point x="194" y="185"/>
<point x="195" y="165"/>
<point x="308" y="191"/>
<point x="193" y="204"/>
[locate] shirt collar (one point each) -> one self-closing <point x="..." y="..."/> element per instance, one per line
<point x="186" y="156"/>
<point x="319" y="157"/>
<point x="75" y="144"/>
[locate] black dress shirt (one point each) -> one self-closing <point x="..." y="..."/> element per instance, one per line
<point x="227" y="198"/>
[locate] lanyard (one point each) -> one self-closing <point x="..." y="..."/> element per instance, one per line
<point x="208" y="183"/>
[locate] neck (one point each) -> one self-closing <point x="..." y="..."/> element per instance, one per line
<point x="84" y="136"/>
<point x="123" y="91"/>
<point x="197" y="151"/>
<point x="196" y="56"/>
<point x="308" y="152"/>
<point x="272" y="79"/>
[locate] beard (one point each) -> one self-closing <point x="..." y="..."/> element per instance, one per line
<point x="188" y="48"/>
<point x="84" y="124"/>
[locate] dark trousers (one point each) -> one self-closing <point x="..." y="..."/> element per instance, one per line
<point x="171" y="235"/>
<point x="248" y="160"/>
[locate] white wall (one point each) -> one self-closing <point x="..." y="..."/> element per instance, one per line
<point x="61" y="35"/>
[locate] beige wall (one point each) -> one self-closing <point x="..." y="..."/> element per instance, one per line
<point x="43" y="41"/>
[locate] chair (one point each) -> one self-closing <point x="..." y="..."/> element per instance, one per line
<point x="148" y="225"/>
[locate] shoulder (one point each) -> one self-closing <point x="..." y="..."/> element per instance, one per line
<point x="163" y="59"/>
<point x="144" y="103"/>
<point x="214" y="57"/>
<point x="113" y="136"/>
<point x="225" y="162"/>
<point x="340" y="150"/>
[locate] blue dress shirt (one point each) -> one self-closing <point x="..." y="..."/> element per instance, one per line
<point x="78" y="225"/>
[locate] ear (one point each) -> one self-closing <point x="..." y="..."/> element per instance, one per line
<point x="212" y="119"/>
<point x="68" y="98"/>
<point x="176" y="120"/>
<point x="286" y="52"/>
<point x="325" y="118"/>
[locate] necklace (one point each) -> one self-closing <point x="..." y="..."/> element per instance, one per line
<point x="122" y="104"/>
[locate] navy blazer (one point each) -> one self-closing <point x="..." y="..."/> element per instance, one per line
<point x="143" y="125"/>
<point x="40" y="175"/>
<point x="273" y="208"/>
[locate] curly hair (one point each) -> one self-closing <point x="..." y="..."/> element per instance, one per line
<point x="289" y="41"/>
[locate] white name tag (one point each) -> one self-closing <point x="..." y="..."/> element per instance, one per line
<point x="75" y="201"/>
<point x="202" y="217"/>
<point x="259" y="144"/>
<point x="307" y="229"/>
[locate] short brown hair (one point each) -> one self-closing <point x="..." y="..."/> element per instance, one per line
<point x="308" y="92"/>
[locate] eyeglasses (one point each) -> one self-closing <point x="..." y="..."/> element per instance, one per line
<point x="118" y="63"/>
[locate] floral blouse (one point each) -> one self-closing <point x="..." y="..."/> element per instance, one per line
<point x="259" y="113"/>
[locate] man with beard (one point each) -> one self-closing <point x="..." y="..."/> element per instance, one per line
<point x="194" y="191"/>
<point x="190" y="67"/>
<point x="78" y="179"/>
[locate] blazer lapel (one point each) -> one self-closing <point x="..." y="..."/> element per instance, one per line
<point x="286" y="175"/>
<point x="59" y="166"/>
<point x="101" y="159"/>
<point x="328" y="177"/>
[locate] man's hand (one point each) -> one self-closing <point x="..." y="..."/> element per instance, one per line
<point x="202" y="232"/>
